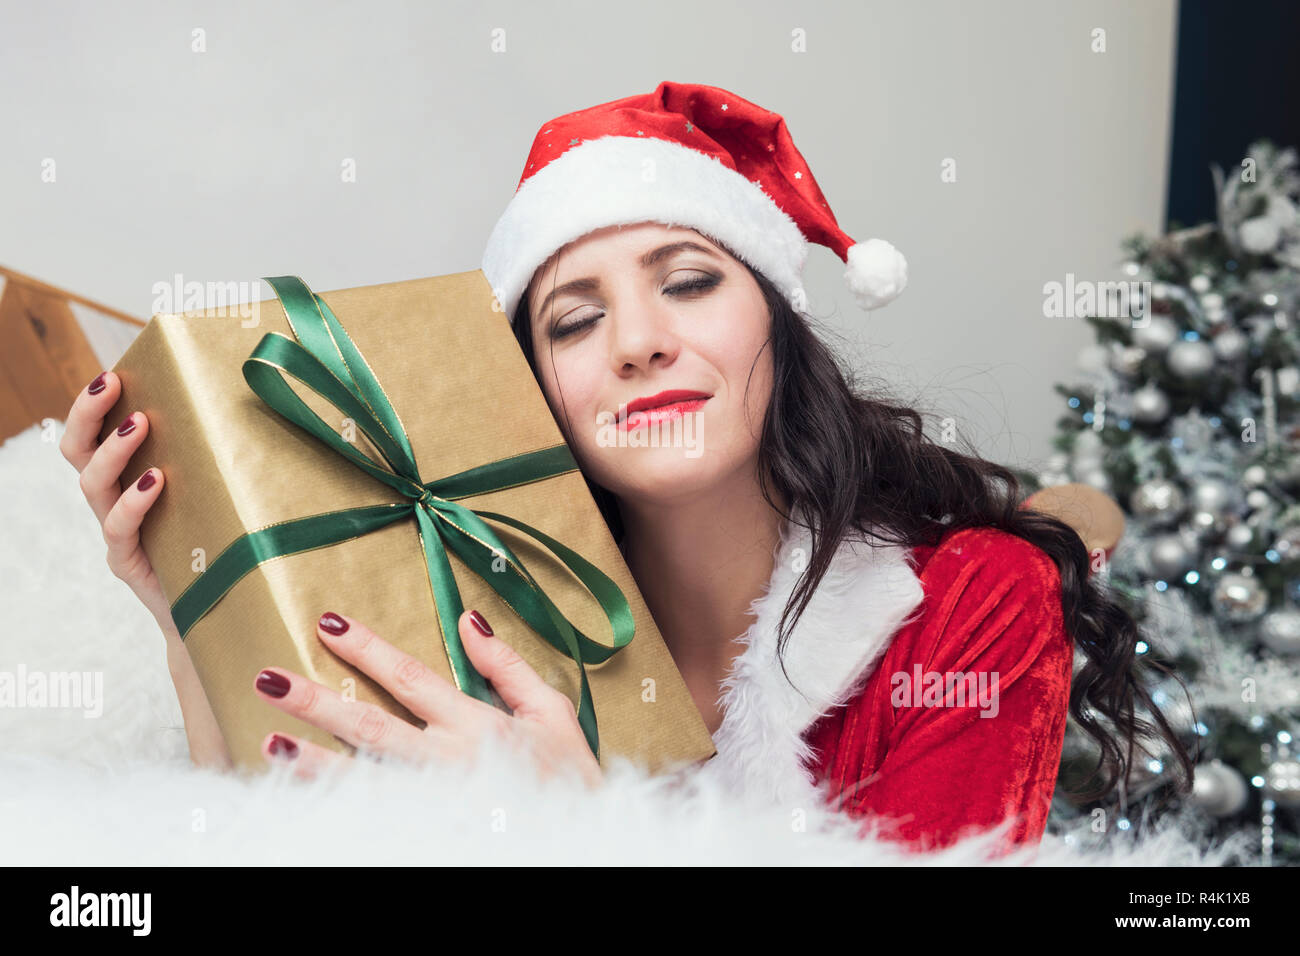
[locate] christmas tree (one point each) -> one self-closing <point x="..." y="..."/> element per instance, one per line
<point x="1187" y="412"/>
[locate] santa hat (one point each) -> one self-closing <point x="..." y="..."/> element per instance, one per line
<point x="685" y="155"/>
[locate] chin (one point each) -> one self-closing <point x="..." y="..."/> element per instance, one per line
<point x="657" y="474"/>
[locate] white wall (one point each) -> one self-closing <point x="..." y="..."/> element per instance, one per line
<point x="226" y="164"/>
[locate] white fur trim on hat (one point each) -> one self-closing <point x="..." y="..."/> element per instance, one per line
<point x="613" y="180"/>
<point x="876" y="273"/>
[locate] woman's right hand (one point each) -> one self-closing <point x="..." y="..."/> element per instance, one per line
<point x="119" y="511"/>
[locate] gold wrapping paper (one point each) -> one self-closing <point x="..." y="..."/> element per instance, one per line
<point x="457" y="378"/>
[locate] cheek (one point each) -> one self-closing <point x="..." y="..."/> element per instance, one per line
<point x="745" y="361"/>
<point x="571" y="392"/>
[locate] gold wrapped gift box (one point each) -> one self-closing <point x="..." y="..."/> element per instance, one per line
<point x="453" y="371"/>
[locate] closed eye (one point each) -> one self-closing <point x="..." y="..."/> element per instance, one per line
<point x="689" y="287"/>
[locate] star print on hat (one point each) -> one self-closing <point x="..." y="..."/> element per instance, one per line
<point x="685" y="155"/>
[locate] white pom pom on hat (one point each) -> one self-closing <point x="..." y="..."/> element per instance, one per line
<point x="685" y="155"/>
<point x="877" y="273"/>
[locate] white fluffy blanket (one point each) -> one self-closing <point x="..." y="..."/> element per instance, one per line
<point x="118" y="787"/>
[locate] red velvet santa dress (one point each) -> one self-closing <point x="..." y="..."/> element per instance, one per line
<point x="935" y="688"/>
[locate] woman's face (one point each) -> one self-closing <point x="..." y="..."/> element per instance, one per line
<point x="629" y="312"/>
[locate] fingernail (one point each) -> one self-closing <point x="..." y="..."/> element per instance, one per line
<point x="329" y="621"/>
<point x="481" y="623"/>
<point x="146" y="481"/>
<point x="97" y="385"/>
<point x="127" y="426"/>
<point x="283" y="747"/>
<point x="273" y="684"/>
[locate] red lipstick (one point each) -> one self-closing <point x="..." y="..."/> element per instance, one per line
<point x="665" y="405"/>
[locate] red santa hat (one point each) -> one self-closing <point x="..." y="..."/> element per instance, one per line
<point x="685" y="155"/>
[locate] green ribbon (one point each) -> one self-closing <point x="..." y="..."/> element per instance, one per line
<point x="325" y="360"/>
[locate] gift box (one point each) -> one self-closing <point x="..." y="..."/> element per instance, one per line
<point x="384" y="452"/>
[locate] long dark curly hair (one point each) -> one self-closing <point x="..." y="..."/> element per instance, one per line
<point x="847" y="460"/>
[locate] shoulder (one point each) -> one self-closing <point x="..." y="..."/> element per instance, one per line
<point x="990" y="593"/>
<point x="988" y="557"/>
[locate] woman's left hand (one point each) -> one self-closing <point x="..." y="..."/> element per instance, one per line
<point x="543" y="717"/>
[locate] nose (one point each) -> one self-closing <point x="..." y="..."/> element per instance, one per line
<point x="641" y="335"/>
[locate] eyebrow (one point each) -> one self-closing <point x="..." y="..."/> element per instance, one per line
<point x="651" y="258"/>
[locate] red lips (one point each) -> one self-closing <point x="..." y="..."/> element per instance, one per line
<point x="663" y="398"/>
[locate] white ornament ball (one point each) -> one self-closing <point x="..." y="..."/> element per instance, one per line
<point x="1219" y="789"/>
<point x="1231" y="344"/>
<point x="1260" y="235"/>
<point x="1190" y="359"/>
<point x="1240" y="536"/>
<point x="1200" y="283"/>
<point x="1282" y="210"/>
<point x="1156" y="335"/>
<point x="1150" y="405"/>
<point x="1280" y="631"/>
<point x="1258" y="499"/>
<point x="1254" y="476"/>
<point x="1211" y="494"/>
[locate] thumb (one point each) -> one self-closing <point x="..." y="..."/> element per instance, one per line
<point x="519" y="685"/>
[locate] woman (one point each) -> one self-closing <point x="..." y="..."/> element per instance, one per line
<point x="861" y="615"/>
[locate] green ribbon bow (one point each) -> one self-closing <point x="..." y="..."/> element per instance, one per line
<point x="325" y="359"/>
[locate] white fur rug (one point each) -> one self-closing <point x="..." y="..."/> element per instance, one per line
<point x="117" y="788"/>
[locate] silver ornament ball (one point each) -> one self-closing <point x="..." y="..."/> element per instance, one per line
<point x="1258" y="499"/>
<point x="1157" y="498"/>
<point x="1219" y="789"/>
<point x="1240" y="536"/>
<point x="1190" y="360"/>
<point x="1150" y="405"/>
<point x="1231" y="344"/>
<point x="1259" y="235"/>
<point x="1280" y="631"/>
<point x="1238" y="598"/>
<point x="1170" y="557"/>
<point x="1211" y="494"/>
<point x="1157" y="334"/>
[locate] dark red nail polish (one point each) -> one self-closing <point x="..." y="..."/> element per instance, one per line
<point x="481" y="623"/>
<point x="97" y="385"/>
<point x="146" y="481"/>
<point x="283" y="747"/>
<point x="331" y="622"/>
<point x="272" y="684"/>
<point x="127" y="426"/>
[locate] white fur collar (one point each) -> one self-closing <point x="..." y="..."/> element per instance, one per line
<point x="868" y="593"/>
